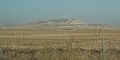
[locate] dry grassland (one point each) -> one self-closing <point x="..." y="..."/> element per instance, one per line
<point x="79" y="44"/>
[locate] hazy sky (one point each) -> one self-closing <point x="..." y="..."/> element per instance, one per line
<point x="92" y="11"/>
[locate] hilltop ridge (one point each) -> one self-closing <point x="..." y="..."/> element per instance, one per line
<point x="60" y="22"/>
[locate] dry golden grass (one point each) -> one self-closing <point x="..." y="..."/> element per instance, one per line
<point x="82" y="44"/>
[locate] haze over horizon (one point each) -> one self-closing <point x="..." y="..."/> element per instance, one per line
<point x="92" y="11"/>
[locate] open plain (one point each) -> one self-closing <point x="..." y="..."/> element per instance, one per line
<point x="60" y="44"/>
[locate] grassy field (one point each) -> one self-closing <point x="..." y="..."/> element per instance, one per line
<point x="77" y="44"/>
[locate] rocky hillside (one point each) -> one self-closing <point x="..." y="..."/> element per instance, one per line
<point x="61" y="22"/>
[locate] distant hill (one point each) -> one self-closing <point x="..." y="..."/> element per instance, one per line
<point x="58" y="24"/>
<point x="61" y="22"/>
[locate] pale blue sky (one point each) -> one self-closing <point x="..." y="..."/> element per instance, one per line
<point x="92" y="11"/>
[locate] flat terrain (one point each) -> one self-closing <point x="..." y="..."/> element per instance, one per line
<point x="63" y="40"/>
<point x="29" y="37"/>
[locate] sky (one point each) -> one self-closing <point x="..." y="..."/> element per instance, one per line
<point x="91" y="11"/>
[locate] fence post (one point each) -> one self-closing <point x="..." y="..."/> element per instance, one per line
<point x="103" y="42"/>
